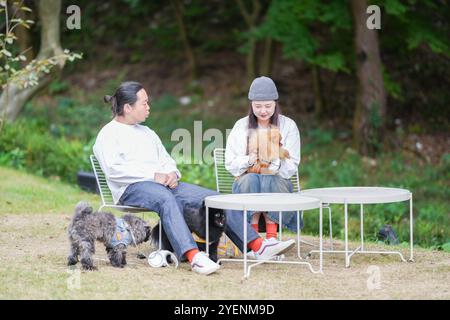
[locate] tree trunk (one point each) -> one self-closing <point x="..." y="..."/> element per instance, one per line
<point x="267" y="59"/>
<point x="251" y="21"/>
<point x="317" y="85"/>
<point x="251" y="61"/>
<point x="370" y="112"/>
<point x="185" y="40"/>
<point x="23" y="36"/>
<point x="13" y="98"/>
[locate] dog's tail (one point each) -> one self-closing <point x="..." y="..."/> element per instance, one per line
<point x="83" y="208"/>
<point x="154" y="238"/>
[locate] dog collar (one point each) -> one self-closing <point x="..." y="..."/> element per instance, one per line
<point x="200" y="240"/>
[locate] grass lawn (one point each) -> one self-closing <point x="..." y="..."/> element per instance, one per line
<point x="35" y="213"/>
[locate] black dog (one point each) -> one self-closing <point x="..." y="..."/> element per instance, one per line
<point x="195" y="218"/>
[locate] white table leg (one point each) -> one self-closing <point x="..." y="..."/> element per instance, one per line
<point x="280" y="218"/>
<point x="160" y="235"/>
<point x="298" y="235"/>
<point x="320" y="238"/>
<point x="207" y="231"/>
<point x="331" y="226"/>
<point x="411" y="240"/>
<point x="362" y="227"/>
<point x="244" y="246"/>
<point x="347" y="260"/>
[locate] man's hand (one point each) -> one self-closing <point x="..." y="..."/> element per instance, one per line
<point x="161" y="178"/>
<point x="172" y="180"/>
<point x="169" y="180"/>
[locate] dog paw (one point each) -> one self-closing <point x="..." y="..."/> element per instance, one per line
<point x="90" y="268"/>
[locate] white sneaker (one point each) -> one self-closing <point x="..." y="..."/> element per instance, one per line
<point x="272" y="247"/>
<point x="201" y="264"/>
<point x="252" y="255"/>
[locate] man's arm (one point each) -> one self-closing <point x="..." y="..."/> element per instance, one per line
<point x="168" y="164"/>
<point x="116" y="169"/>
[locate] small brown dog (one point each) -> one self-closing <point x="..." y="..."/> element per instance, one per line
<point x="266" y="143"/>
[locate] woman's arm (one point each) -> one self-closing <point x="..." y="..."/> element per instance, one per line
<point x="289" y="167"/>
<point x="236" y="158"/>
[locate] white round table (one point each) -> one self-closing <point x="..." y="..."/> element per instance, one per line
<point x="265" y="202"/>
<point x="361" y="196"/>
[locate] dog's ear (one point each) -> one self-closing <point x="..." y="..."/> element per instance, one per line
<point x="83" y="207"/>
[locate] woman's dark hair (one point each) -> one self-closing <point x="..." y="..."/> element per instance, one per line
<point x="125" y="93"/>
<point x="253" y="120"/>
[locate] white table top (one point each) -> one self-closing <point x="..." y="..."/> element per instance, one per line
<point x="358" y="195"/>
<point x="262" y="201"/>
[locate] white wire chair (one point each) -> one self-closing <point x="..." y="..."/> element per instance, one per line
<point x="224" y="182"/>
<point x="105" y="192"/>
<point x="107" y="198"/>
<point x="224" y="179"/>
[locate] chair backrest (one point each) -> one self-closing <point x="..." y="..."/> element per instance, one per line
<point x="224" y="179"/>
<point x="105" y="192"/>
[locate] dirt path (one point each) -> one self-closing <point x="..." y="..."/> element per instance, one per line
<point x="33" y="266"/>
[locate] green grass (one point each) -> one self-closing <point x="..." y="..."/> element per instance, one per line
<point x="29" y="194"/>
<point x="35" y="213"/>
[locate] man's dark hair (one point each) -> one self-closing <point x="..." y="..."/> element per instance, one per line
<point x="125" y="93"/>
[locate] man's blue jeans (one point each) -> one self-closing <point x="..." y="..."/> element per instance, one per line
<point x="169" y="204"/>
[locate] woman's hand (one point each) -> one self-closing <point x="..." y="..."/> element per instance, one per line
<point x="253" y="157"/>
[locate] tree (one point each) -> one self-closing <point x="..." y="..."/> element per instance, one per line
<point x="311" y="31"/>
<point x="179" y="10"/>
<point x="20" y="85"/>
<point x="251" y="18"/>
<point x="370" y="110"/>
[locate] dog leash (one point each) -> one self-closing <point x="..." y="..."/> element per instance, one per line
<point x="139" y="254"/>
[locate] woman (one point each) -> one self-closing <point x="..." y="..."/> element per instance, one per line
<point x="263" y="113"/>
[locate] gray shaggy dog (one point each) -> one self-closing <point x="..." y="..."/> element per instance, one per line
<point x="88" y="226"/>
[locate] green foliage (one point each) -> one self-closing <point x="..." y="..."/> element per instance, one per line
<point x="392" y="87"/>
<point x="58" y="87"/>
<point x="24" y="145"/>
<point x="10" y="70"/>
<point x="14" y="159"/>
<point x="200" y="174"/>
<point x="412" y="22"/>
<point x="291" y="23"/>
<point x="326" y="166"/>
<point x="446" y="247"/>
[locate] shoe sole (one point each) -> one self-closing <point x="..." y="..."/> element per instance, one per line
<point x="279" y="252"/>
<point x="209" y="272"/>
<point x="289" y="247"/>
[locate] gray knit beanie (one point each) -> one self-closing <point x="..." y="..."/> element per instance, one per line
<point x="263" y="89"/>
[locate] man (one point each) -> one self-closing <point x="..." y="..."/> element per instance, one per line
<point x="141" y="173"/>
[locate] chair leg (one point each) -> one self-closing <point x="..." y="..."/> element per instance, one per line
<point x="160" y="234"/>
<point x="331" y="227"/>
